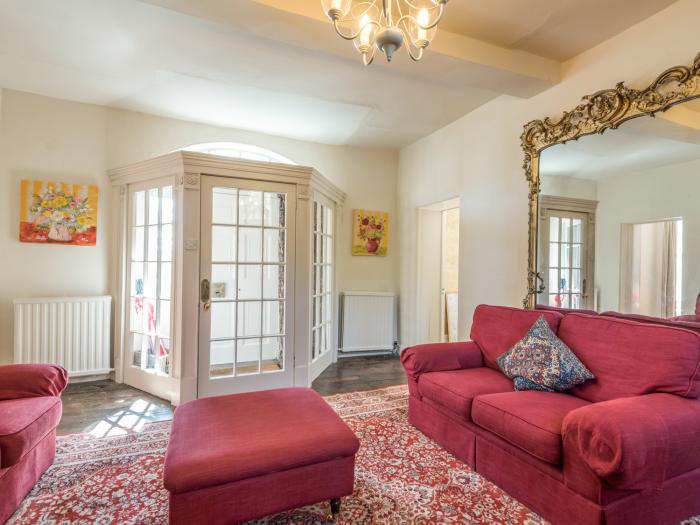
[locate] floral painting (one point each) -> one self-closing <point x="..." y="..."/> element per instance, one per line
<point x="55" y="212"/>
<point x="370" y="235"/>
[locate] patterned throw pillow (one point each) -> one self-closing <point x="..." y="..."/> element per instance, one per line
<point x="542" y="361"/>
<point x="520" y="383"/>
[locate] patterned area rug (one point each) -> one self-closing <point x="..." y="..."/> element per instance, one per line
<point x="402" y="477"/>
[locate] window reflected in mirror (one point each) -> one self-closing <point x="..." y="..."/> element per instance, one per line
<point x="619" y="219"/>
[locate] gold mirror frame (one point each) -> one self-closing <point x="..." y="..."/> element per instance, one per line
<point x="606" y="109"/>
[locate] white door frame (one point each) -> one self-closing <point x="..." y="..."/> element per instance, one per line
<point x="207" y="386"/>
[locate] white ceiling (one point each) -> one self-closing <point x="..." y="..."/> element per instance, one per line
<point x="275" y="66"/>
<point x="639" y="144"/>
<point x="558" y="29"/>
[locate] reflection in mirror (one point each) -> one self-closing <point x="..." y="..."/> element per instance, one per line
<point x="619" y="219"/>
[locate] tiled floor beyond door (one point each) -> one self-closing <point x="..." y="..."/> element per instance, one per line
<point x="108" y="408"/>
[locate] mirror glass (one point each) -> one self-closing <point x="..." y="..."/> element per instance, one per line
<point x="619" y="219"/>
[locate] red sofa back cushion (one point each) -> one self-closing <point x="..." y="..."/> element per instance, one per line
<point x="631" y="359"/>
<point x="675" y="322"/>
<point x="497" y="328"/>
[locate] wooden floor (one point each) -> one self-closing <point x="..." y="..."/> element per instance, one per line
<point x="108" y="408"/>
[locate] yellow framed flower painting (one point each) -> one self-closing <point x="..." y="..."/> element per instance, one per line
<point x="370" y="233"/>
<point x="58" y="213"/>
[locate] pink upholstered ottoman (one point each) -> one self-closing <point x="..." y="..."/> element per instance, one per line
<point x="241" y="457"/>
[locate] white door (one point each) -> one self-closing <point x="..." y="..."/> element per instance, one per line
<point x="323" y="333"/>
<point x="246" y="286"/>
<point x="151" y="230"/>
<point x="566" y="263"/>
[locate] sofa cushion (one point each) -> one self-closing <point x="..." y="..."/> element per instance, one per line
<point x="497" y="328"/>
<point x="543" y="361"/>
<point x="23" y="423"/>
<point x="674" y="322"/>
<point x="631" y="359"/>
<point x="529" y="420"/>
<point x="454" y="390"/>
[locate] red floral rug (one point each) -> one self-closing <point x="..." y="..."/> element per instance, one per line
<point x="402" y="477"/>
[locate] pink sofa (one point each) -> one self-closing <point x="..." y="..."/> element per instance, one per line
<point x="30" y="410"/>
<point x="693" y="318"/>
<point x="688" y="325"/>
<point x="621" y="449"/>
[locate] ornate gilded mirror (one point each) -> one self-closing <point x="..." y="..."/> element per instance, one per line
<point x="614" y="217"/>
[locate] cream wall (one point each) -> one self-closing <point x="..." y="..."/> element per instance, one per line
<point x="564" y="186"/>
<point x="479" y="159"/>
<point x="45" y="138"/>
<point x="649" y="195"/>
<point x="41" y="138"/>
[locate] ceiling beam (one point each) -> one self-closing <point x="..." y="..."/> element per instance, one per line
<point x="452" y="59"/>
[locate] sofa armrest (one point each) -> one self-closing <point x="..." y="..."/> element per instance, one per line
<point x="18" y="381"/>
<point x="437" y="357"/>
<point x="636" y="443"/>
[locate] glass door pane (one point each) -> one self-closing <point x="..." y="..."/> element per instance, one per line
<point x="248" y="282"/>
<point x="322" y="313"/>
<point x="150" y="278"/>
<point x="565" y="282"/>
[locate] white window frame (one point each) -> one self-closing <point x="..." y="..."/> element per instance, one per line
<point x="555" y="206"/>
<point x="237" y="150"/>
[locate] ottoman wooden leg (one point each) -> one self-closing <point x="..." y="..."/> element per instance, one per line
<point x="335" y="509"/>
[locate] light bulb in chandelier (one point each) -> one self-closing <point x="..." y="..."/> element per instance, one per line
<point x="386" y="25"/>
<point x="365" y="38"/>
<point x="336" y="9"/>
<point x="421" y="31"/>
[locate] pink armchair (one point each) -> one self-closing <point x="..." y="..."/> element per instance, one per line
<point x="30" y="410"/>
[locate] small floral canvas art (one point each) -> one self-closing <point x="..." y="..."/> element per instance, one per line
<point x="370" y="234"/>
<point x="59" y="213"/>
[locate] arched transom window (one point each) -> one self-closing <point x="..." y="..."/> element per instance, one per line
<point x="239" y="151"/>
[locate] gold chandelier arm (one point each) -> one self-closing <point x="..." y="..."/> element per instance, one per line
<point x="367" y="61"/>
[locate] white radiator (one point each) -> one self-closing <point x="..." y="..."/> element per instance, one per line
<point x="367" y="322"/>
<point x="73" y="332"/>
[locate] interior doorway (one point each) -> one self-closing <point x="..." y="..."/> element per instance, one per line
<point x="438" y="272"/>
<point x="651" y="268"/>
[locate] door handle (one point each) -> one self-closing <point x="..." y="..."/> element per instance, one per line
<point x="205" y="294"/>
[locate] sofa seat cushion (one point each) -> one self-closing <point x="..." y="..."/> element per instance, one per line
<point x="454" y="390"/>
<point x="25" y="422"/>
<point x="530" y="420"/>
<point x="220" y="440"/>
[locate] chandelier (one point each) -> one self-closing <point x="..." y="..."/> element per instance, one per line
<point x="386" y="25"/>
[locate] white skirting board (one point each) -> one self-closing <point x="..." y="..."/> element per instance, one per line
<point x="73" y="332"/>
<point x="367" y="323"/>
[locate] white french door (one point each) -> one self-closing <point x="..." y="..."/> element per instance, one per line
<point x="151" y="228"/>
<point x="246" y="319"/>
<point x="323" y="341"/>
<point x="567" y="262"/>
